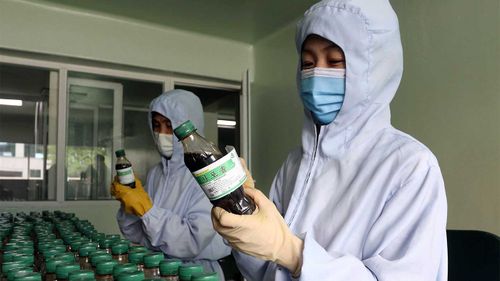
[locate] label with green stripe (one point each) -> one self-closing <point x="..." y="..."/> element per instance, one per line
<point x="221" y="177"/>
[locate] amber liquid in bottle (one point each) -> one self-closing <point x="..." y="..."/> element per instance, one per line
<point x="122" y="163"/>
<point x="235" y="202"/>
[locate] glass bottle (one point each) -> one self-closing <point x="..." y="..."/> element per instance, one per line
<point x="50" y="269"/>
<point x="84" y="253"/>
<point x="124" y="169"/>
<point x="220" y="176"/>
<point x="187" y="270"/>
<point x="169" y="269"/>
<point x="152" y="264"/>
<point x="104" y="270"/>
<point x="120" y="252"/>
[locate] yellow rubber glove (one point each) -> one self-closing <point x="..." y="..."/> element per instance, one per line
<point x="264" y="234"/>
<point x="135" y="201"/>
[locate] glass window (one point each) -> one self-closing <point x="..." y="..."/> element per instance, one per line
<point x="105" y="114"/>
<point x="28" y="124"/>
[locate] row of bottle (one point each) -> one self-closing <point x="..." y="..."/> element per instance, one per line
<point x="58" y="247"/>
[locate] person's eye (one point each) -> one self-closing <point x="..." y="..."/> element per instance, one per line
<point x="307" y="64"/>
<point x="336" y="62"/>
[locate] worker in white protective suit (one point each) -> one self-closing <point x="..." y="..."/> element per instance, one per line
<point x="359" y="200"/>
<point x="172" y="214"/>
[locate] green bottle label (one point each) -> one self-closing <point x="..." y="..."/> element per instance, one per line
<point x="221" y="177"/>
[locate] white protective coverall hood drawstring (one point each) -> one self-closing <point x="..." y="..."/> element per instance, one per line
<point x="368" y="200"/>
<point x="179" y="222"/>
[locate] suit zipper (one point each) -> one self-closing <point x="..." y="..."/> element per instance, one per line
<point x="308" y="175"/>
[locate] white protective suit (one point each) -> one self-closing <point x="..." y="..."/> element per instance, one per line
<point x="368" y="200"/>
<point x="179" y="222"/>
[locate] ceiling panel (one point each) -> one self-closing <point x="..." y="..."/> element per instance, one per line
<point x="241" y="20"/>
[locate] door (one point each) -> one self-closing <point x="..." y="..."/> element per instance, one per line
<point x="94" y="132"/>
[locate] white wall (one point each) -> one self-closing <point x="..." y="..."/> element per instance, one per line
<point x="42" y="28"/>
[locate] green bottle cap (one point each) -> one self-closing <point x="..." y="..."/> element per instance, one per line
<point x="137" y="248"/>
<point x="42" y="247"/>
<point x="85" y="251"/>
<point x="54" y="251"/>
<point x="184" y="130"/>
<point x="106" y="243"/>
<point x="131" y="276"/>
<point x="121" y="268"/>
<point x="207" y="276"/>
<point x="12" y="273"/>
<point x="66" y="256"/>
<point x="113" y="236"/>
<point x="119" y="249"/>
<point x="153" y="279"/>
<point x="24" y="259"/>
<point x="120" y="153"/>
<point x="170" y="267"/>
<point x="63" y="270"/>
<point x="95" y="259"/>
<point x="81" y="275"/>
<point x="136" y="257"/>
<point x="97" y="252"/>
<point x="51" y="265"/>
<point x="6" y="266"/>
<point x="76" y="244"/>
<point x="33" y="276"/>
<point x="105" y="267"/>
<point x="187" y="270"/>
<point x="153" y="259"/>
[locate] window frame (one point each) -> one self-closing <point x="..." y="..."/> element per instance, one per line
<point x="63" y="65"/>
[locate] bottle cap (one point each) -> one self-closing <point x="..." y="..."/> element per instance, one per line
<point x="63" y="270"/>
<point x="136" y="248"/>
<point x="51" y="265"/>
<point x="120" y="153"/>
<point x="106" y="243"/>
<point x="131" y="276"/>
<point x="207" y="276"/>
<point x="105" y="267"/>
<point x="96" y="259"/>
<point x="184" y="130"/>
<point x="170" y="267"/>
<point x="121" y="268"/>
<point x="33" y="276"/>
<point x="16" y="272"/>
<point x="80" y="275"/>
<point x="187" y="270"/>
<point x="153" y="259"/>
<point x="119" y="249"/>
<point x="136" y="257"/>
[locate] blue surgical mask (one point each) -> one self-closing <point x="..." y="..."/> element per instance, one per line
<point x="322" y="91"/>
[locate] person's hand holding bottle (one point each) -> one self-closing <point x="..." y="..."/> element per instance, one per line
<point x="135" y="201"/>
<point x="263" y="234"/>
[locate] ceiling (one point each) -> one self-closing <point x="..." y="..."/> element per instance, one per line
<point x="240" y="20"/>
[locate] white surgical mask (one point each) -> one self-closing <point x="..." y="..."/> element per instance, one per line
<point x="164" y="144"/>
